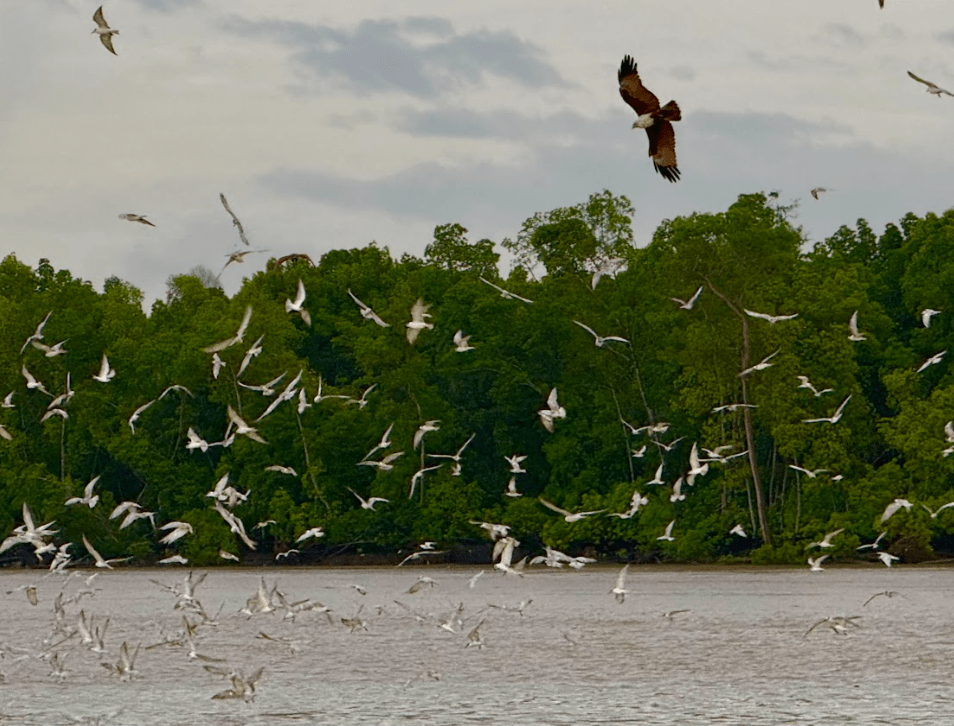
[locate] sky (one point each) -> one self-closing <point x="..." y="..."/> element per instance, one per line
<point x="329" y="125"/>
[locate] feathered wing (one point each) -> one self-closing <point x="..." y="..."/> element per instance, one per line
<point x="631" y="88"/>
<point x="662" y="149"/>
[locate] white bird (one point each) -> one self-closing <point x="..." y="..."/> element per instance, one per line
<point x="760" y="366"/>
<point x="514" y="462"/>
<point x="568" y="516"/>
<point x="419" y="476"/>
<point x="228" y="556"/>
<point x="677" y="495"/>
<point x="237" y="338"/>
<point x="609" y="267"/>
<point x="136" y="414"/>
<point x="106" y="373"/>
<point x="657" y="478"/>
<point x="236" y="525"/>
<point x="289" y="393"/>
<point x="105" y="34"/>
<point x="174" y="560"/>
<point x="810" y="474"/>
<point x="619" y="589"/>
<point x="503" y="549"/>
<point x="874" y="545"/>
<point x="303" y="404"/>
<point x="771" y="318"/>
<point x="54" y="412"/>
<point x="296" y="306"/>
<point x="506" y="295"/>
<point x="834" y="419"/>
<point x="32" y="382"/>
<point x="282" y="469"/>
<point x="853" y="328"/>
<point x="815" y="564"/>
<point x="939" y="510"/>
<point x="196" y="442"/>
<point x="737" y="530"/>
<point x="826" y="540"/>
<point x="805" y="383"/>
<point x="886" y="558"/>
<point x="512" y="488"/>
<point x="100" y="562"/>
<point x="385" y="463"/>
<point x="48" y="350"/>
<point x="370" y="501"/>
<point x="8" y="401"/>
<point x="667" y="535"/>
<point x="635" y="502"/>
<point x="454" y="457"/>
<point x="696" y="468"/>
<point x="425" y="427"/>
<point x="599" y="339"/>
<point x="887" y="593"/>
<point x="243" y="428"/>
<point x="175" y="387"/>
<point x="933" y="360"/>
<point x="640" y="452"/>
<point x="687" y="304"/>
<point x="253" y="352"/>
<point x="319" y="397"/>
<point x="179" y="530"/>
<point x="553" y="411"/>
<point x="217" y="364"/>
<point x="931" y="88"/>
<point x="472" y="582"/>
<point x="266" y="389"/>
<point x="417" y="323"/>
<point x="367" y="313"/>
<point x="141" y="218"/>
<point x="461" y="342"/>
<point x="315" y="532"/>
<point x="4" y="434"/>
<point x="363" y="401"/>
<point x="894" y="507"/>
<point x="384" y="443"/>
<point x="37" y="334"/>
<point x="733" y="407"/>
<point x="235" y="220"/>
<point x="926" y="316"/>
<point x="88" y="498"/>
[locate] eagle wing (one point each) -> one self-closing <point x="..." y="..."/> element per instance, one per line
<point x="640" y="98"/>
<point x="662" y="149"/>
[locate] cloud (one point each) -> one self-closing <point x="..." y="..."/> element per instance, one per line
<point x="167" y="6"/>
<point x="419" y="56"/>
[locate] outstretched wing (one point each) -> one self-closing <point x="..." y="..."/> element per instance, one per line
<point x="662" y="149"/>
<point x="640" y="98"/>
<point x="921" y="80"/>
<point x="235" y="220"/>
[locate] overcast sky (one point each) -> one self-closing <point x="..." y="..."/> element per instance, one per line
<point x="328" y="125"/>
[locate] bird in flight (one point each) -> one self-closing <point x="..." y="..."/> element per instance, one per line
<point x="926" y="316"/>
<point x="619" y="590"/>
<point x="890" y="510"/>
<point x="106" y="33"/>
<point x="933" y="360"/>
<point x="818" y="191"/>
<point x="887" y="593"/>
<point x="552" y="411"/>
<point x="810" y="474"/>
<point x="106" y="372"/>
<point x="141" y="218"/>
<point x="417" y="323"/>
<point x="235" y="220"/>
<point x="667" y="535"/>
<point x="599" y="339"/>
<point x="296" y="306"/>
<point x="854" y="334"/>
<point x="805" y="383"/>
<point x="462" y="342"/>
<point x="656" y="119"/>
<point x="569" y="517"/>
<point x="815" y="564"/>
<point x="505" y="294"/>
<point x="366" y="312"/>
<point x="931" y="88"/>
<point x="834" y="419"/>
<point x="771" y="318"/>
<point x="760" y="366"/>
<point x="826" y="540"/>
<point x="687" y="304"/>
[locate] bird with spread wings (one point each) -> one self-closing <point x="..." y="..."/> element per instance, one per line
<point x="656" y="119"/>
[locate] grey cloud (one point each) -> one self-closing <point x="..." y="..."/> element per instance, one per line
<point x="168" y="6"/>
<point x="844" y="34"/>
<point x="420" y="56"/>
<point x="683" y="73"/>
<point x="498" y="124"/>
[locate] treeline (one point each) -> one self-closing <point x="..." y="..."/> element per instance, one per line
<point x="679" y="364"/>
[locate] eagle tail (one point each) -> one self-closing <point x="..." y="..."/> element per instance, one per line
<point x="670" y="112"/>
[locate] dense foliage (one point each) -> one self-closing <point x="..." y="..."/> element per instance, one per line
<point x="680" y="365"/>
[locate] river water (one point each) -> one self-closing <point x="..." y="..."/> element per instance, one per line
<point x="573" y="655"/>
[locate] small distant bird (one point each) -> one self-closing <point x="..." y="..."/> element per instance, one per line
<point x="505" y="294"/>
<point x="933" y="360"/>
<point x="296" y="305"/>
<point x="217" y="364"/>
<point x="228" y="556"/>
<point x="235" y="220"/>
<point x="826" y="540"/>
<point x="32" y="382"/>
<point x="417" y="323"/>
<point x="839" y="624"/>
<point x="687" y="304"/>
<point x="854" y="334"/>
<point x="553" y="411"/>
<point x="810" y="474"/>
<point x="473" y="638"/>
<point x="733" y="407"/>
<point x="818" y="191"/>
<point x="609" y="268"/>
<point x="815" y="564"/>
<point x="370" y="501"/>
<point x="106" y="33"/>
<point x="737" y="530"/>
<point x="805" y="383"/>
<point x="88" y="498"/>
<point x="667" y="535"/>
<point x="761" y="365"/>
<point x="313" y="532"/>
<point x="385" y="463"/>
<point x="514" y="462"/>
<point x="243" y="428"/>
<point x="37" y="334"/>
<point x="100" y="562"/>
<point x="656" y="119"/>
<point x="282" y="469"/>
<point x="887" y="593"/>
<point x="939" y="510"/>
<point x="931" y="88"/>
<point x="771" y="318"/>
<point x="424" y="428"/>
<point x="886" y="558"/>
<point x="894" y="507"/>
<point x="873" y="545"/>
<point x="834" y="419"/>
<point x="367" y="313"/>
<point x="461" y="342"/>
<point x="569" y="517"/>
<point x="512" y="488"/>
<point x="619" y="591"/>
<point x="174" y="560"/>
<point x="178" y="531"/>
<point x="136" y="414"/>
<point x="106" y="373"/>
<point x="472" y="582"/>
<point x="599" y="339"/>
<point x="926" y="316"/>
<point x="419" y="476"/>
<point x="141" y="218"/>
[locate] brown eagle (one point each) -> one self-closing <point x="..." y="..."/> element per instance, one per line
<point x="655" y="119"/>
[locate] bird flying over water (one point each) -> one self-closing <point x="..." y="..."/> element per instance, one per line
<point x="656" y="119"/>
<point x="826" y="540"/>
<point x="931" y="88"/>
<point x="103" y="30"/>
<point x="619" y="590"/>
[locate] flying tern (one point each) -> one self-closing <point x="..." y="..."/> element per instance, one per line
<point x="103" y="30"/>
<point x="826" y="540"/>
<point x="854" y="334"/>
<point x="687" y="304"/>
<point x="417" y="323"/>
<point x="619" y="590"/>
<point x="506" y="295"/>
<point x="931" y="88"/>
<point x="894" y="507"/>
<point x="771" y="318"/>
<point x="599" y="339"/>
<point x="367" y="313"/>
<point x="760" y="366"/>
<point x="933" y="360"/>
<point x="568" y="516"/>
<point x="141" y="218"/>
<point x="805" y="383"/>
<point x="235" y="220"/>
<point x="461" y="342"/>
<point x="834" y="419"/>
<point x="296" y="305"/>
<point x="88" y="498"/>
<point x="553" y="411"/>
<point x="926" y="316"/>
